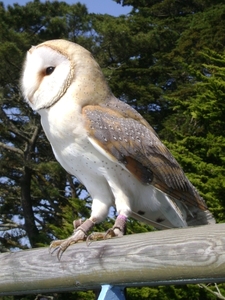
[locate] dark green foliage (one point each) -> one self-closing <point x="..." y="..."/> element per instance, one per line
<point x="199" y="138"/>
<point x="192" y="292"/>
<point x="167" y="60"/>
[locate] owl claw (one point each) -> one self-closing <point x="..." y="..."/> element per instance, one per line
<point x="58" y="249"/>
<point x="80" y="234"/>
<point x="110" y="233"/>
<point x="95" y="236"/>
<point x="60" y="246"/>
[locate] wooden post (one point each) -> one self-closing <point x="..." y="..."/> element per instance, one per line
<point x="176" y="256"/>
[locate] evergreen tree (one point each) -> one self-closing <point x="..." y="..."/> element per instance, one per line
<point x="199" y="139"/>
<point x="156" y="60"/>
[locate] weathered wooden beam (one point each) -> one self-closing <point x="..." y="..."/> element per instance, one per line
<point x="176" y="256"/>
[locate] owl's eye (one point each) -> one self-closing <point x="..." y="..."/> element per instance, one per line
<point x="49" y="70"/>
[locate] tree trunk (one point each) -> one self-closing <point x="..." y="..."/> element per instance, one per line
<point x="26" y="201"/>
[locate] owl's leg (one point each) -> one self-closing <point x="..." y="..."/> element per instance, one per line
<point x="121" y="202"/>
<point x="119" y="227"/>
<point x="80" y="234"/>
<point x="117" y="230"/>
<point x="99" y="212"/>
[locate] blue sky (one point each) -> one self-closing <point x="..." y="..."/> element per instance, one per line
<point x="94" y="6"/>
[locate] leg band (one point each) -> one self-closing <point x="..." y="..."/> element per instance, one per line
<point x="120" y="223"/>
<point x="77" y="223"/>
<point x="86" y="226"/>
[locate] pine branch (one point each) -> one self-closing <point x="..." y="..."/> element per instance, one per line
<point x="10" y="148"/>
<point x="11" y="127"/>
<point x="7" y="226"/>
<point x="217" y="294"/>
<point x="35" y="134"/>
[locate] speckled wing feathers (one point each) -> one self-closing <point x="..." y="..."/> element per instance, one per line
<point x="128" y="139"/>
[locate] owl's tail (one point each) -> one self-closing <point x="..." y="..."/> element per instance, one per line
<point x="200" y="217"/>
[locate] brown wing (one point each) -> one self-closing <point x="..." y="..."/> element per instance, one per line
<point x="130" y="140"/>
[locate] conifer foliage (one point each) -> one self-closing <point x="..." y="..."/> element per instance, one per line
<point x="166" y="59"/>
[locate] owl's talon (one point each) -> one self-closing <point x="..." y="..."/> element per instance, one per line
<point x="110" y="232"/>
<point x="80" y="234"/>
<point x="60" y="246"/>
<point x="117" y="230"/>
<point x="95" y="236"/>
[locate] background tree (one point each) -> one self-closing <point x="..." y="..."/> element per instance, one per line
<point x="155" y="59"/>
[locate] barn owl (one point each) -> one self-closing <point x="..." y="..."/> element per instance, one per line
<point x="106" y="144"/>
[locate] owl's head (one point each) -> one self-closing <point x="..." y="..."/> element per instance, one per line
<point x="54" y="67"/>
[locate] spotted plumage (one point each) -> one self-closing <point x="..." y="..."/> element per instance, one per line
<point x="106" y="144"/>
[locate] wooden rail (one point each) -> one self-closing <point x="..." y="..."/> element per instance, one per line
<point x="176" y="256"/>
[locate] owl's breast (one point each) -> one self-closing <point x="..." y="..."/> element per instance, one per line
<point x="78" y="157"/>
<point x="71" y="146"/>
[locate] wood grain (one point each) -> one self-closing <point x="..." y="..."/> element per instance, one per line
<point x="176" y="256"/>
